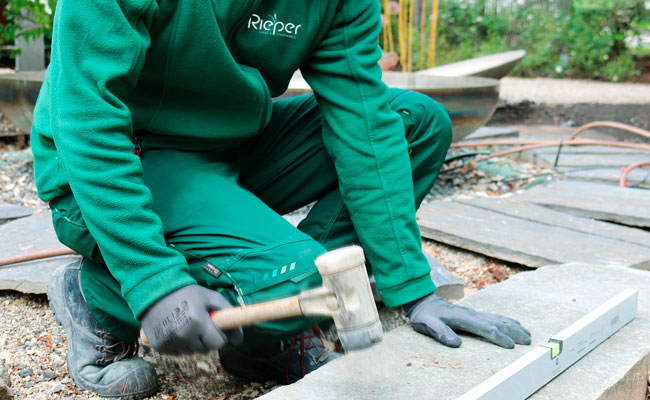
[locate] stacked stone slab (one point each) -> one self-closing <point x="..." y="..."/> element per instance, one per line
<point x="409" y="365"/>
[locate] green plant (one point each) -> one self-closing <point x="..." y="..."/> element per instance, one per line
<point x="562" y="38"/>
<point x="16" y="12"/>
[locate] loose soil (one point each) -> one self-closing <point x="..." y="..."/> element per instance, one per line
<point x="530" y="113"/>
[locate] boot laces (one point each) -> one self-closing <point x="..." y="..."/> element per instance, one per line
<point x="313" y="340"/>
<point x="113" y="349"/>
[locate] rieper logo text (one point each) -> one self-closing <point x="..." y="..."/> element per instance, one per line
<point x="273" y="26"/>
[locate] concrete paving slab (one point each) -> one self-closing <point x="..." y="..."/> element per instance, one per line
<point x="409" y="365"/>
<point x="11" y="211"/>
<point x="522" y="241"/>
<point x="546" y="216"/>
<point x="628" y="206"/>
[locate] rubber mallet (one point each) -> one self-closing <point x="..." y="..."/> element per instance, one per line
<point x="345" y="296"/>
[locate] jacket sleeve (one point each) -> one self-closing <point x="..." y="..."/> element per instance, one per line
<point x="367" y="143"/>
<point x="98" y="51"/>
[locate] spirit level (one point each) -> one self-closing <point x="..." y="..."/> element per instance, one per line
<point x="535" y="369"/>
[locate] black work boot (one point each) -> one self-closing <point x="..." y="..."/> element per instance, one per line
<point x="97" y="360"/>
<point x="286" y="361"/>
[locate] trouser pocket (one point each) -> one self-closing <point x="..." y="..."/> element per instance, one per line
<point x="71" y="229"/>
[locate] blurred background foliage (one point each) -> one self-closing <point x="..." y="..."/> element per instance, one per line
<point x="15" y="13"/>
<point x="600" y="39"/>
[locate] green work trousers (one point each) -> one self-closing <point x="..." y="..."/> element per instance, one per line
<point x="222" y="210"/>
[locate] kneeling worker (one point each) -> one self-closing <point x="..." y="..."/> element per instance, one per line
<point x="167" y="166"/>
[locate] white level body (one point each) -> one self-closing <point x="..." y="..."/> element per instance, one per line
<point x="535" y="369"/>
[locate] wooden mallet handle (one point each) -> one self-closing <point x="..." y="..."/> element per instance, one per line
<point x="229" y="318"/>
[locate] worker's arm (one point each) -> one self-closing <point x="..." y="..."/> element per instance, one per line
<point x="367" y="143"/>
<point x="98" y="51"/>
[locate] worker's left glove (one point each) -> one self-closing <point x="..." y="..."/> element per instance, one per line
<point x="435" y="317"/>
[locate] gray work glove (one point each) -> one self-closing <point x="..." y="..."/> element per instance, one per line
<point x="180" y="322"/>
<point x="435" y="317"/>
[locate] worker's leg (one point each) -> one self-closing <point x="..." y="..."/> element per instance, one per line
<point x="210" y="218"/>
<point x="254" y="255"/>
<point x="97" y="360"/>
<point x="288" y="166"/>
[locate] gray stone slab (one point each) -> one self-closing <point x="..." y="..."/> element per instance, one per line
<point x="448" y="285"/>
<point x="598" y="164"/>
<point x="21" y="155"/>
<point x="11" y="211"/>
<point x="407" y="365"/>
<point x="636" y="178"/>
<point x="32" y="276"/>
<point x="28" y="235"/>
<point x="587" y="150"/>
<point x="32" y="50"/>
<point x="522" y="241"/>
<point x="628" y="206"/>
<point x="566" y="159"/>
<point x="32" y="55"/>
<point x="23" y="236"/>
<point x="492" y="132"/>
<point x="546" y="216"/>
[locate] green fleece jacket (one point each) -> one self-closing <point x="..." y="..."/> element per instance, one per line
<point x="201" y="75"/>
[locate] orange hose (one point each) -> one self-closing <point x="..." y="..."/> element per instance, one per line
<point x="586" y="142"/>
<point x="35" y="256"/>
<point x="610" y="124"/>
<point x="622" y="182"/>
<point x="541" y="144"/>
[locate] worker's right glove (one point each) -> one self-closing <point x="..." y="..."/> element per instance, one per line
<point x="435" y="317"/>
<point x="180" y="322"/>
